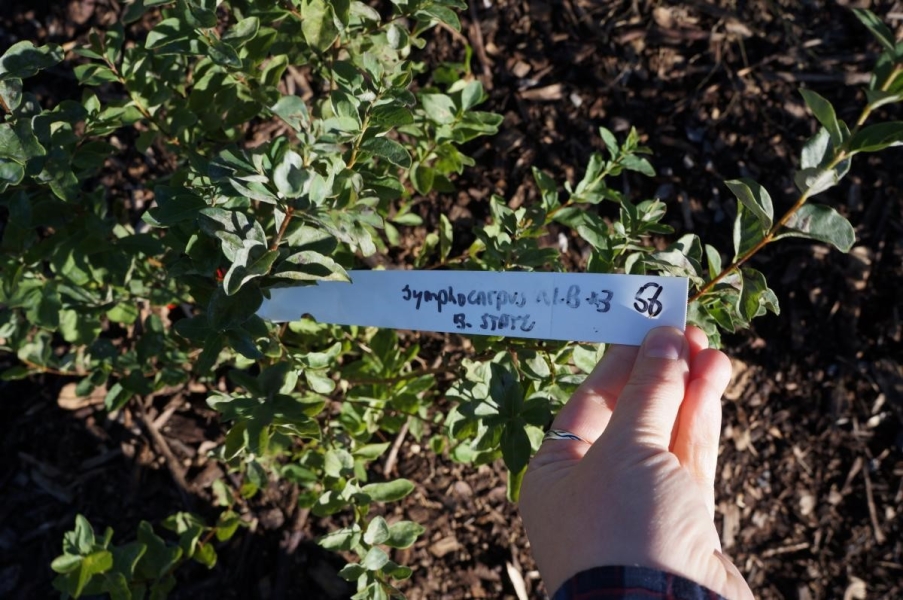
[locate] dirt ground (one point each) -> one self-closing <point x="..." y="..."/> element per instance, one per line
<point x="811" y="488"/>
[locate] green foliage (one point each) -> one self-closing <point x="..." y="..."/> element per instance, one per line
<point x="138" y="569"/>
<point x="249" y="186"/>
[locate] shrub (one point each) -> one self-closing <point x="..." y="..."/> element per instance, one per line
<point x="254" y="186"/>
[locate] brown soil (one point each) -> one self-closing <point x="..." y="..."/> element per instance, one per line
<point x="811" y="488"/>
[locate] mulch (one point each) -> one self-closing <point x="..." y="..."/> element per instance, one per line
<point x="810" y="493"/>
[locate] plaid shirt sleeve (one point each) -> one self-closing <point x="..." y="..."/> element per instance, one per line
<point x="631" y="583"/>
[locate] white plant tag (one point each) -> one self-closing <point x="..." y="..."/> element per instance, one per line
<point x="582" y="307"/>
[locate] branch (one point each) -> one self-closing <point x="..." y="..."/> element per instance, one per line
<point x="769" y="237"/>
<point x="840" y="155"/>
<point x="289" y="211"/>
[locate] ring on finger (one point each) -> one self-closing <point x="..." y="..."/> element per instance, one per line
<point x="561" y="434"/>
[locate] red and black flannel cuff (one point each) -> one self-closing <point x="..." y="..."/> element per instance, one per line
<point x="631" y="583"/>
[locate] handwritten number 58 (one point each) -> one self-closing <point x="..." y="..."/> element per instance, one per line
<point x="650" y="305"/>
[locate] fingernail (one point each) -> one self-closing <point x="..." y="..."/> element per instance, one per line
<point x="663" y="342"/>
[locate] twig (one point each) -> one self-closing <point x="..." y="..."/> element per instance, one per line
<point x="168" y="411"/>
<point x="479" y="46"/>
<point x="51" y="370"/>
<point x="175" y="469"/>
<point x="389" y="465"/>
<point x="785" y="549"/>
<point x="880" y="538"/>
<point x="842" y="153"/>
<point x="453" y="32"/>
<point x="289" y="211"/>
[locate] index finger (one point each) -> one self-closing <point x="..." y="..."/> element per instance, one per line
<point x="589" y="410"/>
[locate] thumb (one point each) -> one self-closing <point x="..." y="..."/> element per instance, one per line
<point x="647" y="408"/>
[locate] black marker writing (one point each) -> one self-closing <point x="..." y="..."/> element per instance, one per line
<point x="570" y="298"/>
<point x="460" y="321"/>
<point x="506" y="322"/>
<point x="601" y="300"/>
<point x="650" y="304"/>
<point x="492" y="298"/>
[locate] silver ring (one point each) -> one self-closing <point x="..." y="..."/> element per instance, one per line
<point x="561" y="434"/>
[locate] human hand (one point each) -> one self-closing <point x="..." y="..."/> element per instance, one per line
<point x="640" y="489"/>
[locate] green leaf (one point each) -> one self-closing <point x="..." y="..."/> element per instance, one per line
<point x="631" y="162"/>
<point x="816" y="151"/>
<point x="116" y="397"/>
<point x="547" y="188"/>
<point x="397" y="571"/>
<point x="238" y="275"/>
<point x="165" y="33"/>
<point x="408" y="219"/>
<point x="77" y="328"/>
<point x="375" y="559"/>
<point x="377" y="531"/>
<point x="133" y="11"/>
<point x="15" y="373"/>
<point x="318" y="25"/>
<point x="44" y="310"/>
<point x="446" y="237"/>
<point x="93" y="74"/>
<point x="472" y="94"/>
<point x="11" y="92"/>
<point x="310" y="266"/>
<point x="293" y="111"/>
<point x="748" y="231"/>
<point x="755" y="198"/>
<point x="877" y="137"/>
<point x="390" y="115"/>
<point x="226" y="311"/>
<point x="388" y="149"/>
<point x="291" y="177"/>
<point x="23" y="60"/>
<point x="117" y="586"/>
<point x="124" y="312"/>
<point x="81" y="539"/>
<point x="610" y="141"/>
<point x="66" y="563"/>
<point x="352" y="572"/>
<point x="388" y="491"/>
<point x="515" y="479"/>
<point x="242" y="31"/>
<point x="422" y="178"/>
<point x="11" y="173"/>
<point x="439" y="107"/>
<point x="94" y="564"/>
<point x="175" y="206"/>
<point x="441" y="14"/>
<point x="881" y="31"/>
<point x="824" y="112"/>
<point x="337" y="463"/>
<point x="817" y="180"/>
<point x="343" y="539"/>
<point x="370" y="452"/>
<point x="206" y="555"/>
<point x="403" y="534"/>
<point x="126" y="557"/>
<point x="515" y="445"/>
<point x="225" y="55"/>
<point x="159" y="558"/>
<point x="195" y="328"/>
<point x="822" y="223"/>
<point x="878" y="98"/>
<point x="756" y="298"/>
<point x="713" y="258"/>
